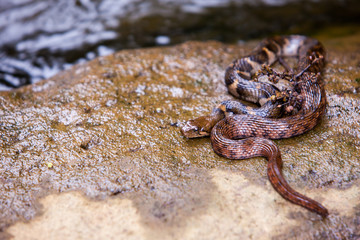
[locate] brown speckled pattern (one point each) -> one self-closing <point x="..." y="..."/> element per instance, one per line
<point x="246" y="136"/>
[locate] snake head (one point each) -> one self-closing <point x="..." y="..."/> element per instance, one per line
<point x="198" y="127"/>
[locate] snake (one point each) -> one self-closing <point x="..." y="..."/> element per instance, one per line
<point x="271" y="106"/>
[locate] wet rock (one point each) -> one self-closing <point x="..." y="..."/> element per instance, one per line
<point x="109" y="129"/>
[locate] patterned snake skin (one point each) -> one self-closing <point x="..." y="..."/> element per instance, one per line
<point x="289" y="104"/>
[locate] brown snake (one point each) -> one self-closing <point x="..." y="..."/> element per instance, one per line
<point x="288" y="108"/>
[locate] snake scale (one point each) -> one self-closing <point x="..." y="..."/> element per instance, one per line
<point x="288" y="104"/>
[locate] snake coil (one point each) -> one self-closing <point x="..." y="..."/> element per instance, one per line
<point x="289" y="104"/>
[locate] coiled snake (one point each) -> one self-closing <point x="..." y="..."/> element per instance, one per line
<point x="289" y="104"/>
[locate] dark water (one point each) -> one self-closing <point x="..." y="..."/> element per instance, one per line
<point x="39" y="38"/>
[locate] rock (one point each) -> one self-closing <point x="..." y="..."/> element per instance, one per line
<point x="109" y="129"/>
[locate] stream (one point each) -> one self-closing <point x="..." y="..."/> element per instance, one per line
<point x="40" y="38"/>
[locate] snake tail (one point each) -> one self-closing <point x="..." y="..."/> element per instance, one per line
<point x="280" y="185"/>
<point x="262" y="147"/>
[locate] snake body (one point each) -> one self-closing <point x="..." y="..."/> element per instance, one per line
<point x="238" y="131"/>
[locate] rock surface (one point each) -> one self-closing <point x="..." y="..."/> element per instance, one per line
<point x="105" y="136"/>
